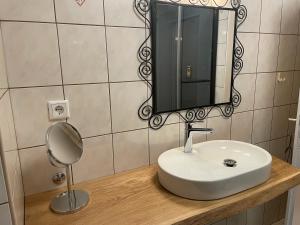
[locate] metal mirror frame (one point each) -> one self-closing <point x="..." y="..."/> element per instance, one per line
<point x="145" y="112"/>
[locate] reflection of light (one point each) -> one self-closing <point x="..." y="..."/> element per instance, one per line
<point x="247" y="154"/>
<point x="223" y="147"/>
<point x="237" y="151"/>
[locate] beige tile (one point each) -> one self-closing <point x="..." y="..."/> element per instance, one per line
<point x="198" y="137"/>
<point x="244" y="132"/>
<point x="283" y="205"/>
<point x="96" y="161"/>
<point x="7" y="129"/>
<point x="265" y="89"/>
<point x="222" y="222"/>
<point x="250" y="44"/>
<point x="271" y="16"/>
<point x="122" y="47"/>
<point x="296" y="86"/>
<point x="89" y="108"/>
<point x="29" y="10"/>
<point x="297" y="64"/>
<point x="255" y="215"/>
<point x="287" y="52"/>
<point x="239" y="219"/>
<point x="262" y="122"/>
<point x="290" y="17"/>
<point x="37" y="171"/>
<point x="252" y="22"/>
<point x="3" y="191"/>
<point x="32" y="56"/>
<point x="283" y="90"/>
<point x="278" y="147"/>
<point x="122" y="13"/>
<point x="280" y="121"/>
<point x="268" y="52"/>
<point x="3" y="76"/>
<point x="5" y="215"/>
<point x="31" y="113"/>
<point x="264" y="145"/>
<point x="91" y="12"/>
<point x="162" y="140"/>
<point x="131" y="150"/>
<point x="83" y="54"/>
<point x="126" y="98"/>
<point x="18" y="195"/>
<point x="9" y="164"/>
<point x="293" y="114"/>
<point x="271" y="211"/>
<point x="221" y="128"/>
<point x="245" y="84"/>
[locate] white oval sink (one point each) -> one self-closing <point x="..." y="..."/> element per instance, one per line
<point x="203" y="175"/>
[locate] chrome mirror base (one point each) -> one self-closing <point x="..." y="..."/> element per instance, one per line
<point x="69" y="202"/>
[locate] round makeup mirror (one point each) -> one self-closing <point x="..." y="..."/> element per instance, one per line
<point x="65" y="148"/>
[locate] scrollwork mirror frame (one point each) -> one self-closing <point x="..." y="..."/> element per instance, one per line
<point x="156" y="121"/>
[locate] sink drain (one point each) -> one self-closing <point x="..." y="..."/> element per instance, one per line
<point x="230" y="163"/>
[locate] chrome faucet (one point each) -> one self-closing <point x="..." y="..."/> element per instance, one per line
<point x="189" y="129"/>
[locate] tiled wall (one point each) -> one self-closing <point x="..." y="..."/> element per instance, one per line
<point x="9" y="152"/>
<point x="88" y="55"/>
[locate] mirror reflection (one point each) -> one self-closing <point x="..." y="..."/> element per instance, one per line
<point x="192" y="56"/>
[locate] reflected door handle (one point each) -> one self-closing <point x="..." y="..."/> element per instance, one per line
<point x="292" y="119"/>
<point x="189" y="71"/>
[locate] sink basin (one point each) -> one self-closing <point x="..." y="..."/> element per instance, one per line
<point x="214" y="169"/>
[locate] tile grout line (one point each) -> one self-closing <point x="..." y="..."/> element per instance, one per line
<point x="109" y="88"/>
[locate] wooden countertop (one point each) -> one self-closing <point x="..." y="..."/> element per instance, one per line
<point x="136" y="198"/>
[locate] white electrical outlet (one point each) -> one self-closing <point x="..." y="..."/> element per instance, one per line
<point x="58" y="110"/>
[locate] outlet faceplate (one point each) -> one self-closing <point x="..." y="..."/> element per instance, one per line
<point x="58" y="110"/>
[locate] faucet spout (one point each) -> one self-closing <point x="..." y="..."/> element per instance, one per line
<point x="189" y="129"/>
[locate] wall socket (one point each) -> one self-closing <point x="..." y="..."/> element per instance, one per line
<point x="58" y="110"/>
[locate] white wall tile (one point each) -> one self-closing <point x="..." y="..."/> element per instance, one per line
<point x="245" y="84"/>
<point x="283" y="90"/>
<point x="3" y="77"/>
<point x="264" y="145"/>
<point x="262" y="125"/>
<point x="271" y="211"/>
<point x="3" y="193"/>
<point x="278" y="147"/>
<point x="5" y="216"/>
<point x="252" y="22"/>
<point x="280" y="121"/>
<point x="122" y="46"/>
<point x="290" y="17"/>
<point x="29" y="10"/>
<point x="287" y="52"/>
<point x="244" y="132"/>
<point x="31" y="113"/>
<point x="268" y="52"/>
<point x="297" y="64"/>
<point x="32" y="54"/>
<point x="89" y="108"/>
<point x="271" y="16"/>
<point x="126" y="98"/>
<point x="265" y="89"/>
<point x="162" y="140"/>
<point x="37" y="171"/>
<point x="91" y="12"/>
<point x="7" y="129"/>
<point x="121" y="13"/>
<point x="96" y="161"/>
<point x="83" y="54"/>
<point x="239" y="219"/>
<point x="221" y="128"/>
<point x="131" y="150"/>
<point x="296" y="86"/>
<point x="250" y="43"/>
